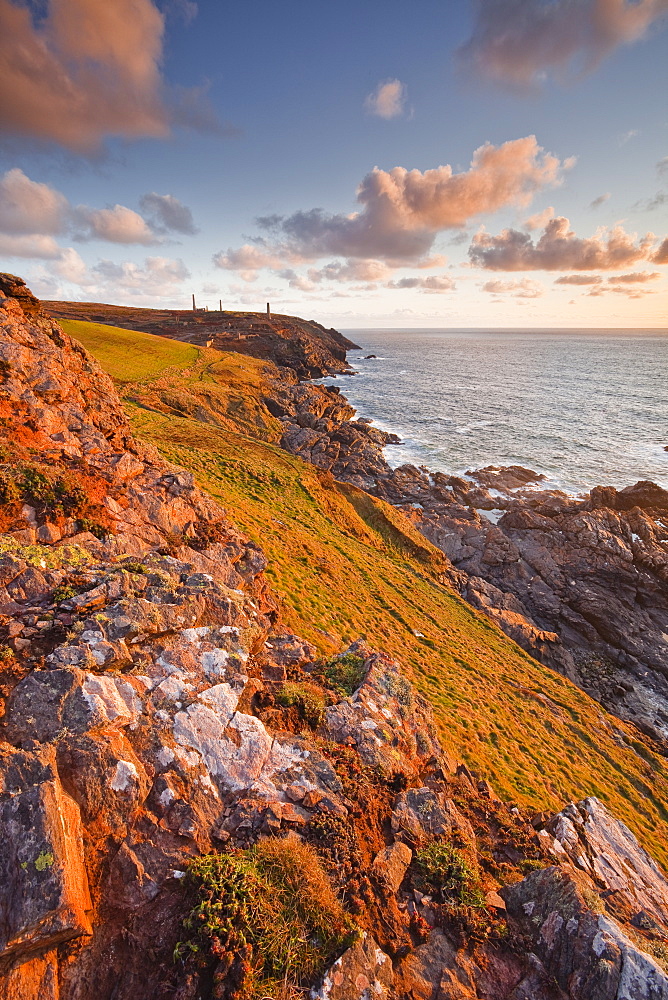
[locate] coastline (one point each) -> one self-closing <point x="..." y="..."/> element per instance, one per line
<point x="461" y="402"/>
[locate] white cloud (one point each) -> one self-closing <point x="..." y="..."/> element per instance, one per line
<point x="387" y="100"/>
<point x="28" y="207"/>
<point x="560" y="249"/>
<point x="115" y="225"/>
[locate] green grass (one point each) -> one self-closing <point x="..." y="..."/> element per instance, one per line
<point x="128" y="355"/>
<point x="347" y="566"/>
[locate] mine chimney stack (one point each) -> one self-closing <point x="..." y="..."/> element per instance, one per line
<point x="194" y="306"/>
<point x="220" y="305"/>
<point x="268" y="310"/>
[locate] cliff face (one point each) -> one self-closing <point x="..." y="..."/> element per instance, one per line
<point x="156" y="711"/>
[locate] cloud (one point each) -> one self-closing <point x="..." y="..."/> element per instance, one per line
<point x="27" y="206"/>
<point x="661" y="255"/>
<point x="540" y="219"/>
<point x="156" y="277"/>
<point x="601" y="200"/>
<point x="168" y="213"/>
<point x="70" y="267"/>
<point x="248" y="260"/>
<point x="86" y="71"/>
<point x="521" y="43"/>
<point x="651" y="204"/>
<point x="523" y="288"/>
<point x="559" y="249"/>
<point x="116" y="225"/>
<point x="579" y="279"/>
<point x="627" y="136"/>
<point x="434" y="283"/>
<point x="402" y="210"/>
<point x="350" y="270"/>
<point x="636" y="276"/>
<point x="388" y="99"/>
<point x="32" y="213"/>
<point x="31" y="245"/>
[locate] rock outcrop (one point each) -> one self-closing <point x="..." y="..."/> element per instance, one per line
<point x="153" y="709"/>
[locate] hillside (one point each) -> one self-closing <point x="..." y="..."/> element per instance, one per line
<point x="198" y="801"/>
<point x="302" y="345"/>
<point x="347" y="565"/>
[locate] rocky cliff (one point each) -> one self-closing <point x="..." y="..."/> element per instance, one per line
<point x="181" y="777"/>
<point x="580" y="583"/>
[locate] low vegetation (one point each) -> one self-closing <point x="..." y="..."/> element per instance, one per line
<point x="268" y="917"/>
<point x="308" y="699"/>
<point x="443" y="872"/>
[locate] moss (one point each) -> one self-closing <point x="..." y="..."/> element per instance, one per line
<point x="345" y="673"/>
<point x="268" y="915"/>
<point x="45" y="556"/>
<point x="309" y="699"/>
<point x="444" y="873"/>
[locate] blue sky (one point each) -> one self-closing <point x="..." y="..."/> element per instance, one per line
<point x="140" y="145"/>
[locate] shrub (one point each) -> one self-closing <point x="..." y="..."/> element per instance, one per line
<point x="9" y="491"/>
<point x="63" y="593"/>
<point x="52" y="494"/>
<point x="6" y="653"/>
<point x="345" y="673"/>
<point x="444" y="873"/>
<point x="307" y="698"/>
<point x="271" y="907"/>
<point x="94" y="527"/>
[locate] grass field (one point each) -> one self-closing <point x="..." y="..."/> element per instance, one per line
<point x="346" y="565"/>
<point x="127" y="355"/>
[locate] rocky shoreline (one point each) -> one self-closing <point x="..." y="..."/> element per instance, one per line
<point x="579" y="583"/>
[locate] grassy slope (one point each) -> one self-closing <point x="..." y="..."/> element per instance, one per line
<point x="131" y="355"/>
<point x="347" y="565"/>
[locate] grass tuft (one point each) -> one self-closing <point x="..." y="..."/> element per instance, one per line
<point x="268" y="915"/>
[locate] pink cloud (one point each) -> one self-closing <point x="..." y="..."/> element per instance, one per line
<point x="519" y="43"/>
<point x="402" y="211"/>
<point x="579" y="279"/>
<point x="88" y="70"/>
<point x="523" y="288"/>
<point x="434" y="283"/>
<point x="559" y="249"/>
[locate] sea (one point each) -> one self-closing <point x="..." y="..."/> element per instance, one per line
<point x="584" y="408"/>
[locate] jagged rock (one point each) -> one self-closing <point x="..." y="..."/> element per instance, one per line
<point x="363" y="971"/>
<point x="606" y="850"/>
<point x="45" y="898"/>
<point x="587" y="953"/>
<point x="422" y="814"/>
<point x="391" y="864"/>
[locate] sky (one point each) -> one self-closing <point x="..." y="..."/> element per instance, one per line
<point x="460" y="163"/>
